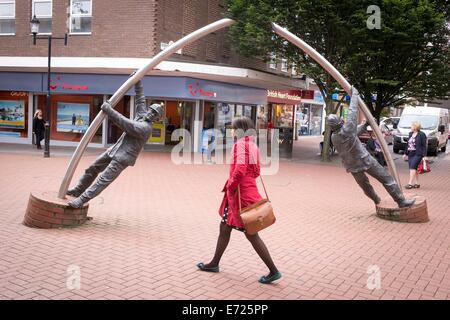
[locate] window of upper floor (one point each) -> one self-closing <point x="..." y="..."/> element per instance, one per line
<point x="7" y="17"/>
<point x="43" y="10"/>
<point x="80" y="16"/>
<point x="284" y="65"/>
<point x="273" y="61"/>
<point x="294" y="69"/>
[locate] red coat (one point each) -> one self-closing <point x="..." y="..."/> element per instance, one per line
<point x="243" y="172"/>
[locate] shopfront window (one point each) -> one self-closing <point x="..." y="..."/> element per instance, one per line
<point x="71" y="116"/>
<point x="114" y="132"/>
<point x="13" y="114"/>
<point x="97" y="107"/>
<point x="220" y="115"/>
<point x="176" y="115"/>
<point x="179" y="115"/>
<point x="225" y="115"/>
<point x="262" y="117"/>
<point x="315" y="120"/>
<point x="282" y="115"/>
<point x="309" y="119"/>
<point x="303" y="120"/>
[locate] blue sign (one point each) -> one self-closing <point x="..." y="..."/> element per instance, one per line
<point x="318" y="96"/>
<point x="154" y="86"/>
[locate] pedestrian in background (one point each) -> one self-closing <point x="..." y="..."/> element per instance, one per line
<point x="373" y="145"/>
<point x="244" y="169"/>
<point x="416" y="151"/>
<point x="38" y="128"/>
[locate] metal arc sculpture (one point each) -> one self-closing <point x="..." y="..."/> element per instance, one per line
<point x="346" y="86"/>
<point x="194" y="36"/>
<point x="153" y="62"/>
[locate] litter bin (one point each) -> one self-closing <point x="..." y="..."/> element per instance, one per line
<point x="285" y="141"/>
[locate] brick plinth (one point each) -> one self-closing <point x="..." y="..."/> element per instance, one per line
<point x="389" y="210"/>
<point x="46" y="211"/>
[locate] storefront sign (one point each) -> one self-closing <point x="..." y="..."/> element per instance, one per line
<point x="307" y="94"/>
<point x="72" y="117"/>
<point x="59" y="82"/>
<point x="287" y="97"/>
<point x="12" y="114"/>
<point x="339" y="97"/>
<point x="18" y="94"/>
<point x="196" y="90"/>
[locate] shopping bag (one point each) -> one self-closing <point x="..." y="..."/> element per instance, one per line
<point x="423" y="167"/>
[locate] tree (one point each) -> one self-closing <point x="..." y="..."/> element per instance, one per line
<point x="399" y="60"/>
<point x="407" y="57"/>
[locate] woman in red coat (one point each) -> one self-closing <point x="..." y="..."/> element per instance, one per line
<point x="243" y="172"/>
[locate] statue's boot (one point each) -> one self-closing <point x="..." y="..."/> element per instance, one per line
<point x="78" y="202"/>
<point x="406" y="203"/>
<point x="397" y="195"/>
<point x="74" y="192"/>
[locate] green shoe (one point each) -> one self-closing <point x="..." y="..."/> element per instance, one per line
<point x="202" y="267"/>
<point x="267" y="280"/>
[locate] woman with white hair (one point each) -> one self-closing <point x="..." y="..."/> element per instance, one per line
<point x="415" y="152"/>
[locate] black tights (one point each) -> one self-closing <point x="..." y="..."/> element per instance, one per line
<point x="255" y="240"/>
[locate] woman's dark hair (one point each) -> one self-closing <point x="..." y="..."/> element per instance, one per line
<point x="243" y="123"/>
<point x="244" y="127"/>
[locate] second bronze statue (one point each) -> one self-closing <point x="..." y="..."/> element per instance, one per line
<point x="357" y="159"/>
<point x="122" y="154"/>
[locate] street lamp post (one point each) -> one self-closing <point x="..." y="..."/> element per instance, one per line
<point x="34" y="24"/>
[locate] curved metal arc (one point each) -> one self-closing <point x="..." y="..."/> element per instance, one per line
<point x="87" y="137"/>
<point x="76" y="157"/>
<point x="346" y="86"/>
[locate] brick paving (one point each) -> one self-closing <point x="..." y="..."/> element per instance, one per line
<point x="158" y="220"/>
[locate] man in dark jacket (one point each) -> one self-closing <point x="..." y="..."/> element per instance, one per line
<point x="357" y="159"/>
<point x="122" y="154"/>
<point x="374" y="148"/>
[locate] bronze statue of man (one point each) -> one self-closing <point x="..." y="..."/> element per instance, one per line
<point x="122" y="154"/>
<point x="357" y="160"/>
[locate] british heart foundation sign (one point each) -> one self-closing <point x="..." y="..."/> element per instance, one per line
<point x="284" y="96"/>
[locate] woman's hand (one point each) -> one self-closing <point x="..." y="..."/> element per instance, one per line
<point x="405" y="157"/>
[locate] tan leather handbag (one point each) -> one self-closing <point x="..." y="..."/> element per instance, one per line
<point x="257" y="216"/>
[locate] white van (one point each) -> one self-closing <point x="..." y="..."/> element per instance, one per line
<point x="434" y="122"/>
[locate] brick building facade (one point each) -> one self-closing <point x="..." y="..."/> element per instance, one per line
<point x="131" y="29"/>
<point x="108" y="39"/>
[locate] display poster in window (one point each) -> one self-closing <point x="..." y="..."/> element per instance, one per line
<point x="158" y="133"/>
<point x="12" y="114"/>
<point x="72" y="117"/>
<point x="208" y="141"/>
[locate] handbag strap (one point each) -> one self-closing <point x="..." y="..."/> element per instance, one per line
<point x="262" y="181"/>
<point x="239" y="193"/>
